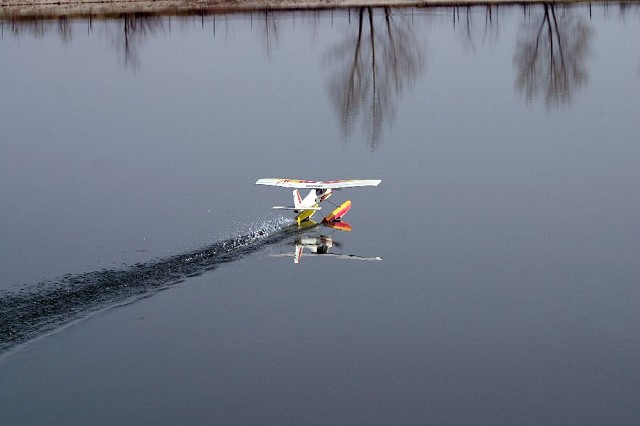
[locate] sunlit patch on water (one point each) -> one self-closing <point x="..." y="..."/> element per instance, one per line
<point x="46" y="306"/>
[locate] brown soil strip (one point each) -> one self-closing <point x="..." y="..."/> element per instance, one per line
<point x="27" y="9"/>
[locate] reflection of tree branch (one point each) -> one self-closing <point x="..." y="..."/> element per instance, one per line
<point x="271" y="34"/>
<point x="381" y="66"/>
<point x="349" y="102"/>
<point x="64" y="29"/>
<point x="486" y="34"/>
<point x="37" y="28"/>
<point x="135" y="28"/>
<point x="557" y="74"/>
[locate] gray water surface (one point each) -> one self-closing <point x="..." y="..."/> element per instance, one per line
<point x="145" y="279"/>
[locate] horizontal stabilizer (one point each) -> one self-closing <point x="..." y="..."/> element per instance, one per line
<point x="295" y="208"/>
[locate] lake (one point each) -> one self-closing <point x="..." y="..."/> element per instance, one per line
<point x="491" y="278"/>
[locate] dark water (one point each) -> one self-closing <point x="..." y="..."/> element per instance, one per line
<point x="507" y="221"/>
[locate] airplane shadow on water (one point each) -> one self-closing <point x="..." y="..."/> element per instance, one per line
<point x="45" y="307"/>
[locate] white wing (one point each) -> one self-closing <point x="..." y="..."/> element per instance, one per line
<point x="320" y="184"/>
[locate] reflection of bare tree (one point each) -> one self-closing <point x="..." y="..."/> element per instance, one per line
<point x="551" y="54"/>
<point x="40" y="27"/>
<point x="485" y="33"/>
<point x="626" y="9"/>
<point x="375" y="69"/>
<point x="271" y="33"/>
<point x="131" y="30"/>
<point x="64" y="29"/>
<point x="135" y="28"/>
<point x="37" y="28"/>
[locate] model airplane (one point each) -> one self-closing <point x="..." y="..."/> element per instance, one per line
<point x="320" y="190"/>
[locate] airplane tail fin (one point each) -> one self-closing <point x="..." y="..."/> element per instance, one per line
<point x="297" y="199"/>
<point x="297" y="254"/>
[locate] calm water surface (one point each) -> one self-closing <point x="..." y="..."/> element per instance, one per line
<point x="508" y="218"/>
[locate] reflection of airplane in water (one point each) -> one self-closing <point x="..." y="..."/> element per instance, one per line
<point x="320" y="245"/>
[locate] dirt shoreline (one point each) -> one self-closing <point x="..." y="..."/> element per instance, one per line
<point x="26" y="9"/>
